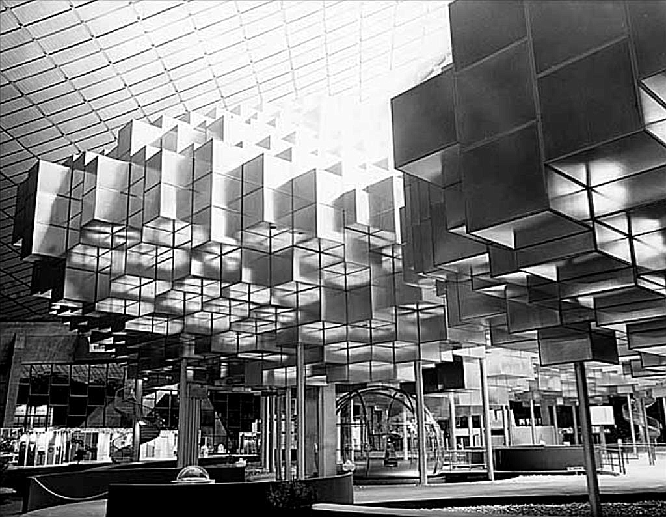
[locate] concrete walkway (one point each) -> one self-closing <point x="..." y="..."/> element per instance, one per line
<point x="640" y="478"/>
<point x="648" y="481"/>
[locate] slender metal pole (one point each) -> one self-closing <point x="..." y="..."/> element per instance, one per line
<point x="278" y="438"/>
<point x="405" y="440"/>
<point x="532" y="422"/>
<point x="505" y="424"/>
<point x="420" y="423"/>
<point x="452" y="421"/>
<point x="271" y="432"/>
<point x="574" y="413"/>
<point x="647" y="432"/>
<point x="184" y="416"/>
<point x="588" y="446"/>
<point x="136" y="435"/>
<point x="631" y="424"/>
<point x="300" y="409"/>
<point x="470" y="428"/>
<point x="263" y="411"/>
<point x="486" y="419"/>
<point x="287" y="433"/>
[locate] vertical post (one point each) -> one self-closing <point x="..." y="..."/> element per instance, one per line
<point x="327" y="431"/>
<point x="188" y="422"/>
<point x="278" y="437"/>
<point x="405" y="439"/>
<point x="263" y="411"/>
<point x="136" y="434"/>
<point x="631" y="424"/>
<point x="556" y="425"/>
<point x="486" y="419"/>
<point x="505" y="425"/>
<point x="646" y="435"/>
<point x="588" y="446"/>
<point x="351" y="428"/>
<point x="271" y="432"/>
<point x="452" y="418"/>
<point x="470" y="428"/>
<point x="574" y="413"/>
<point x="420" y="423"/>
<point x="300" y="410"/>
<point x="287" y="433"/>
<point x="532" y="422"/>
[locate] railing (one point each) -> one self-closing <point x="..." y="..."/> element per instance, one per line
<point x="458" y="459"/>
<point x="613" y="457"/>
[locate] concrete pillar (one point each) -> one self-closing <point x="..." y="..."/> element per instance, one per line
<point x="188" y="421"/>
<point x="287" y="433"/>
<point x="452" y="418"/>
<point x="486" y="420"/>
<point x="574" y="413"/>
<point x="588" y="445"/>
<point x="300" y="410"/>
<point x="327" y="431"/>
<point x="405" y="433"/>
<point x="532" y="422"/>
<point x="420" y="423"/>
<point x="138" y="413"/>
<point x="631" y="424"/>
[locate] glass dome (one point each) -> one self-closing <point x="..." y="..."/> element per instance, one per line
<point x="193" y="474"/>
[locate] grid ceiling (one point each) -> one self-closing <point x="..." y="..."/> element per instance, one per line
<point x="74" y="72"/>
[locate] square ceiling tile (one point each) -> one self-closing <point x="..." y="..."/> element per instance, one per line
<point x="53" y="24"/>
<point x="35" y="11"/>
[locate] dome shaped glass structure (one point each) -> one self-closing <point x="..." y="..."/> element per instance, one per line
<point x="193" y="474"/>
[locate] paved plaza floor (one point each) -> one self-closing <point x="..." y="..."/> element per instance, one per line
<point x="641" y="478"/>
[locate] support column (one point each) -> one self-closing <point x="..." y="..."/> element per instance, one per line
<point x="327" y="431"/>
<point x="287" y="434"/>
<point x="470" y="428"/>
<point x="506" y="423"/>
<point x="405" y="431"/>
<point x="486" y="420"/>
<point x="278" y="438"/>
<point x="420" y="423"/>
<point x="631" y="424"/>
<point x="556" y="425"/>
<point x="136" y="434"/>
<point x="351" y="428"/>
<point x="574" y="413"/>
<point x="588" y="445"/>
<point x="645" y="436"/>
<point x="532" y="422"/>
<point x="271" y="432"/>
<point x="263" y="411"/>
<point x="188" y="421"/>
<point x="300" y="410"/>
<point x="452" y="424"/>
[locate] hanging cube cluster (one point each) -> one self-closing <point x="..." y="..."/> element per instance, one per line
<point x="238" y="235"/>
<point x="535" y="185"/>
